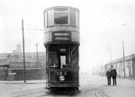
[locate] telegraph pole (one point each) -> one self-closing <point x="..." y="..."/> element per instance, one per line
<point x="110" y="57"/>
<point x="24" y="68"/>
<point x="124" y="59"/>
<point x="37" y="51"/>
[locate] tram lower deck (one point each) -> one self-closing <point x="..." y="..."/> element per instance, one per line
<point x="62" y="65"/>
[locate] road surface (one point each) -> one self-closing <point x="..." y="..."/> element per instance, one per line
<point x="90" y="86"/>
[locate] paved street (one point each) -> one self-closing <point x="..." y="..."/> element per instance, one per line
<point x="125" y="88"/>
<point x="90" y="85"/>
<point x="13" y="88"/>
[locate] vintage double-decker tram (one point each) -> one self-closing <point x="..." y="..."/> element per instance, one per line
<point x="61" y="40"/>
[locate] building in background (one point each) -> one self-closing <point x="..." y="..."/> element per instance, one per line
<point x="11" y="66"/>
<point x="124" y="71"/>
<point x="18" y="49"/>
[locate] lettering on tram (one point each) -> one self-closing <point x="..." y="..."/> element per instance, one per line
<point x="61" y="36"/>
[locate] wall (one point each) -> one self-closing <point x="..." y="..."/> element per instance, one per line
<point x="129" y="68"/>
<point x="31" y="74"/>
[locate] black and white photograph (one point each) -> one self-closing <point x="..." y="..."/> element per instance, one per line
<point x="67" y="48"/>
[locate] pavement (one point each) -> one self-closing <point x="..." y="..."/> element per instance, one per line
<point x="125" y="88"/>
<point x="22" y="82"/>
<point x="12" y="88"/>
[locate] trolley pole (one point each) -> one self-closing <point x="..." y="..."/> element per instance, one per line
<point x="24" y="72"/>
<point x="124" y="59"/>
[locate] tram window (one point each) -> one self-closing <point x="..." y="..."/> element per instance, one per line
<point x="73" y="16"/>
<point x="77" y="18"/>
<point x="51" y="17"/>
<point x="45" y="19"/>
<point x="61" y="16"/>
<point x="53" y="60"/>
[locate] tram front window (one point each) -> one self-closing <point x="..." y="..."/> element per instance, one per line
<point x="52" y="60"/>
<point x="62" y="57"/>
<point x="61" y="16"/>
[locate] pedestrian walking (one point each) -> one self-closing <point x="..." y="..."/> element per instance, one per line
<point x="108" y="75"/>
<point x="113" y="75"/>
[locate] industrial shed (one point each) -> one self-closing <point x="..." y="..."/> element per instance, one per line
<point x="124" y="71"/>
<point x="14" y="68"/>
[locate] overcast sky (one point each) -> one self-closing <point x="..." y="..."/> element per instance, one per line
<point x="104" y="24"/>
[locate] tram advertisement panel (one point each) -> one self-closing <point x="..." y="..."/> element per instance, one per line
<point x="61" y="36"/>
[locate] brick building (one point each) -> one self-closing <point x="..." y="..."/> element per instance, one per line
<point x="14" y="67"/>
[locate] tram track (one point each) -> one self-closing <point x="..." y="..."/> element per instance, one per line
<point x="95" y="91"/>
<point x="86" y="90"/>
<point x="100" y="93"/>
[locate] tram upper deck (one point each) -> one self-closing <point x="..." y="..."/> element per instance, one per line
<point x="61" y="23"/>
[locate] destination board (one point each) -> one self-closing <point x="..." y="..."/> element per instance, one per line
<point x="61" y="36"/>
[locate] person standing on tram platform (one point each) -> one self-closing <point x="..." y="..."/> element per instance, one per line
<point x="108" y="75"/>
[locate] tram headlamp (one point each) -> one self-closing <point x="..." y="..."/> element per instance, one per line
<point x="62" y="78"/>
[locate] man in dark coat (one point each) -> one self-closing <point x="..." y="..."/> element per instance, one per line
<point x="108" y="75"/>
<point x="114" y="75"/>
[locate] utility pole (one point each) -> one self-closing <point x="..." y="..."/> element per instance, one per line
<point x="37" y="51"/>
<point x="24" y="68"/>
<point x="124" y="59"/>
<point x="110" y="57"/>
